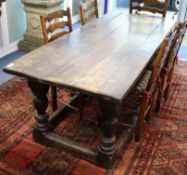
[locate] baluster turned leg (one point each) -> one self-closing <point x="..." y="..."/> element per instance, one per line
<point x="107" y="146"/>
<point x="40" y="102"/>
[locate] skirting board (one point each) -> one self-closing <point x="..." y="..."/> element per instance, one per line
<point x="9" y="49"/>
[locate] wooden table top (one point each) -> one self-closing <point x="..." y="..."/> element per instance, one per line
<point x="104" y="58"/>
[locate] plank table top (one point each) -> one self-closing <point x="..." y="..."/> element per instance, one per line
<point x="103" y="58"/>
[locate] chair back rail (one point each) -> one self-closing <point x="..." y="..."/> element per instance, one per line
<point x="157" y="65"/>
<point x="153" y="6"/>
<point x="88" y="10"/>
<point x="174" y="47"/>
<point x="160" y="62"/>
<point x="54" y="24"/>
<point x="175" y="37"/>
<point x="146" y="101"/>
<point x="182" y="30"/>
<point x="177" y="32"/>
<point x="165" y="51"/>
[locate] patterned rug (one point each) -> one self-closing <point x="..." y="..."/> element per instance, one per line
<point x="162" y="150"/>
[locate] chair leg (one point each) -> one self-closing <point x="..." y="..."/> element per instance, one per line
<point x="158" y="102"/>
<point x="54" y="97"/>
<point x="139" y="128"/>
<point x="140" y="121"/>
<point x="148" y="116"/>
<point x="80" y="107"/>
<point x="176" y="59"/>
<point x="166" y="93"/>
<point x="98" y="112"/>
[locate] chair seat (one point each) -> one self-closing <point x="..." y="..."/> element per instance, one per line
<point x="142" y="84"/>
<point x="137" y="93"/>
<point x="132" y="101"/>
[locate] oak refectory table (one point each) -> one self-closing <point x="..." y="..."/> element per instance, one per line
<point x="102" y="59"/>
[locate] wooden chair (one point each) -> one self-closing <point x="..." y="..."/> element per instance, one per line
<point x="88" y="10"/>
<point x="167" y="71"/>
<point x="183" y="27"/>
<point x="54" y="25"/>
<point x="153" y="6"/>
<point x="140" y="100"/>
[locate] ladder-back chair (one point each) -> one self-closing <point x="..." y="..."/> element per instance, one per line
<point x="54" y="25"/>
<point x="153" y="6"/>
<point x="183" y="27"/>
<point x="143" y="94"/>
<point x="167" y="71"/>
<point x="88" y="11"/>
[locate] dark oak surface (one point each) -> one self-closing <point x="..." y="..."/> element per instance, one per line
<point x="103" y="58"/>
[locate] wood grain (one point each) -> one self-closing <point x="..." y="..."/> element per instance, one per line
<point x="103" y="58"/>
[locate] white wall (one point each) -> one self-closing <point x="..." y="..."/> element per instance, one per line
<point x="16" y="19"/>
<point x="12" y="26"/>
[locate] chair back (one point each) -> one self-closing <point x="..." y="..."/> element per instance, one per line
<point x="153" y="6"/>
<point x="160" y="61"/>
<point x="56" y="24"/>
<point x="88" y="11"/>
<point x="176" y="35"/>
<point x="181" y="30"/>
<point x="167" y="70"/>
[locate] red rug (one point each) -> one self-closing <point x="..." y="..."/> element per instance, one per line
<point x="162" y="150"/>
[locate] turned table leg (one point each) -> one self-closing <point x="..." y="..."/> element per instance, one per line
<point x="107" y="146"/>
<point x="40" y="102"/>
